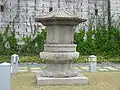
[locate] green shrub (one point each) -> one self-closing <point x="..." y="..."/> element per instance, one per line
<point x="4" y="59"/>
<point x="105" y="42"/>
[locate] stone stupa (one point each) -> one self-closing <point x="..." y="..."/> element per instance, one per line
<point x="59" y="49"/>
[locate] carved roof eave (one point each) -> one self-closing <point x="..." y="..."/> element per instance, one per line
<point x="60" y="21"/>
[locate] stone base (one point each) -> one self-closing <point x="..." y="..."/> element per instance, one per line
<point x="80" y="79"/>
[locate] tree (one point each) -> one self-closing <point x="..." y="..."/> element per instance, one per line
<point x="109" y="13"/>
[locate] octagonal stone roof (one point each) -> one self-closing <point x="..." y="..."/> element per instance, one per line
<point x="59" y="16"/>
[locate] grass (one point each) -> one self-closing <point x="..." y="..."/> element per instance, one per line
<point x="97" y="81"/>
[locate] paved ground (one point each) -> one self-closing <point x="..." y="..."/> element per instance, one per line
<point x="81" y="67"/>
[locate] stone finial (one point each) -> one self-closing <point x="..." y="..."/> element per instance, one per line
<point x="92" y="63"/>
<point x="92" y="58"/>
<point x="58" y="16"/>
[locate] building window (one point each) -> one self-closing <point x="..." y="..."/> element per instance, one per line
<point x="96" y="12"/>
<point x="50" y="9"/>
<point x="10" y="4"/>
<point x="1" y="8"/>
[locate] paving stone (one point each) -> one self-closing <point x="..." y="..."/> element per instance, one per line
<point x="22" y="70"/>
<point x="85" y="68"/>
<point x="35" y="71"/>
<point x="22" y="67"/>
<point x="78" y="69"/>
<point x="103" y="69"/>
<point x="111" y="68"/>
<point x="35" y="68"/>
<point x="117" y="67"/>
<point x="99" y="67"/>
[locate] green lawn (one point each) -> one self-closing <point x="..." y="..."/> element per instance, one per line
<point x="97" y="81"/>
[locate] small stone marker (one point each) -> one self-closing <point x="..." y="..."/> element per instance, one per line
<point x="92" y="63"/>
<point x="14" y="63"/>
<point x="5" y="76"/>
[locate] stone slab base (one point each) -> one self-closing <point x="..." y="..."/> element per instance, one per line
<point x="80" y="79"/>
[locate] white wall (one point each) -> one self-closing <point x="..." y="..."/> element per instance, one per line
<point x="32" y="8"/>
<point x="115" y="8"/>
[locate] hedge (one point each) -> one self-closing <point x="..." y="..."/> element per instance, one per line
<point x="100" y="42"/>
<point x="105" y="42"/>
<point x="36" y="59"/>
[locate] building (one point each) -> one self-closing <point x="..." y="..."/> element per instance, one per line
<point x="20" y="14"/>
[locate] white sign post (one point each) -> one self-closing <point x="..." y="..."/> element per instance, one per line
<point x="5" y="76"/>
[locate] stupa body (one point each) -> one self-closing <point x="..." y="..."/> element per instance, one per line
<point x="59" y="50"/>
